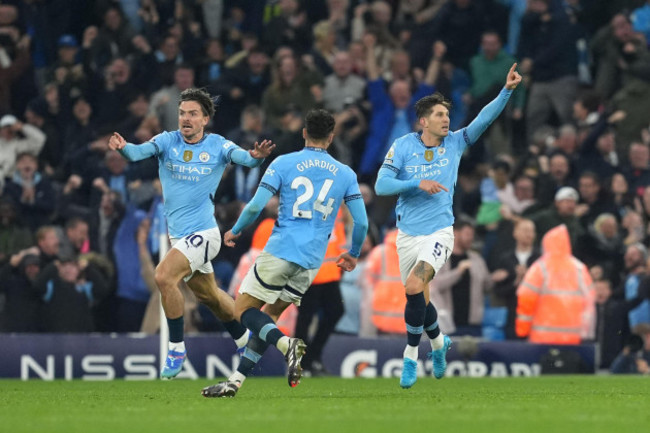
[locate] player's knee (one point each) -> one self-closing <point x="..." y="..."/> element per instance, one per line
<point x="414" y="285"/>
<point x="162" y="277"/>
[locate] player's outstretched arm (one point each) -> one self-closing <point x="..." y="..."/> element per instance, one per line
<point x="388" y="184"/>
<point x="248" y="215"/>
<point x="255" y="156"/>
<point x="131" y="151"/>
<point x="492" y="110"/>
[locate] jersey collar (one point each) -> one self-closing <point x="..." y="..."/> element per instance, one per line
<point x="419" y="135"/>
<point x="316" y="149"/>
<point x="205" y="135"/>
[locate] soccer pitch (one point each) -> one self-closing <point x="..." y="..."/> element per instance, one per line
<point x="522" y="405"/>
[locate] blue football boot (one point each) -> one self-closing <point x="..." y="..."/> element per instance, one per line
<point x="439" y="358"/>
<point x="173" y="364"/>
<point x="409" y="373"/>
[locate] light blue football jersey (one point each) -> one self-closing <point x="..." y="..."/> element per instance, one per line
<point x="189" y="173"/>
<point x="419" y="213"/>
<point x="312" y="185"/>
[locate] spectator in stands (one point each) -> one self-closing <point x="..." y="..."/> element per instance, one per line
<point x="635" y="356"/>
<point x="383" y="297"/>
<point x="354" y="289"/>
<point x="637" y="171"/>
<point x="132" y="293"/>
<point x="69" y="288"/>
<point x="635" y="260"/>
<point x="114" y="37"/>
<point x="291" y="85"/>
<point x="12" y="69"/>
<point x="459" y="24"/>
<point x="75" y="239"/>
<point x="620" y="55"/>
<point x="14" y="236"/>
<point x="32" y="191"/>
<point x="612" y="328"/>
<point x="486" y="71"/>
<point x="510" y="268"/>
<point x="555" y="174"/>
<point x="555" y="300"/>
<point x="595" y="199"/>
<point x="242" y="85"/>
<point x="164" y="103"/>
<point x="393" y="114"/>
<point x="563" y="212"/>
<point x="342" y="86"/>
<point x="550" y="68"/>
<point x="15" y="138"/>
<point x="51" y="155"/>
<point x="291" y="27"/>
<point x="48" y="243"/>
<point x="21" y="304"/>
<point x="460" y="286"/>
<point x="603" y="246"/>
<point x="586" y="112"/>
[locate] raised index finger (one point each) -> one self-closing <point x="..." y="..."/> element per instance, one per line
<point x="512" y="69"/>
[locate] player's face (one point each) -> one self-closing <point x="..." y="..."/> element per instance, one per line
<point x="191" y="120"/>
<point x="436" y="123"/>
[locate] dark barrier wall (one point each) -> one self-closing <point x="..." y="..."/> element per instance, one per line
<point x="132" y="357"/>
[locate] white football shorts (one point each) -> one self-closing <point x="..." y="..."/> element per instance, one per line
<point x="199" y="248"/>
<point x="434" y="249"/>
<point x="271" y="278"/>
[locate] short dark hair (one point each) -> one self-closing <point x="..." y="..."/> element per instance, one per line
<point x="319" y="124"/>
<point x="591" y="100"/>
<point x="202" y="97"/>
<point x="425" y="105"/>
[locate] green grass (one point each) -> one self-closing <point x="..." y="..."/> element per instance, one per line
<point x="453" y="405"/>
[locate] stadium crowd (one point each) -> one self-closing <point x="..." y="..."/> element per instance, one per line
<point x="80" y="226"/>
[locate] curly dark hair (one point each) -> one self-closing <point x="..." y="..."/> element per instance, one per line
<point x="319" y="124"/>
<point x="202" y="97"/>
<point x="425" y="105"/>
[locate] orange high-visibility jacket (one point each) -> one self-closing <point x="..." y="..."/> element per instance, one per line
<point x="555" y="300"/>
<point x="287" y="321"/>
<point x="388" y="296"/>
<point x="328" y="271"/>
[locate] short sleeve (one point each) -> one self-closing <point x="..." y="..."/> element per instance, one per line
<point x="227" y="148"/>
<point x="271" y="179"/>
<point x="352" y="192"/>
<point x="392" y="160"/>
<point x="161" y="142"/>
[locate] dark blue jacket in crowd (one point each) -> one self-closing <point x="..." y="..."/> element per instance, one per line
<point x="381" y="123"/>
<point x="130" y="284"/>
<point x="546" y="44"/>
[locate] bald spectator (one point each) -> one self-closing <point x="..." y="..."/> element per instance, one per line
<point x="510" y="268"/>
<point x="556" y="175"/>
<point x="342" y="86"/>
<point x="637" y="172"/>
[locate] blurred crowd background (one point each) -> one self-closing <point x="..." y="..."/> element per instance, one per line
<point x="80" y="226"/>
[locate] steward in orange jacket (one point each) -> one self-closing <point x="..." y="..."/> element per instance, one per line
<point x="383" y="276"/>
<point x="555" y="300"/>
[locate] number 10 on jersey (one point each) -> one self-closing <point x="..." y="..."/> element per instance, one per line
<point x="319" y="205"/>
